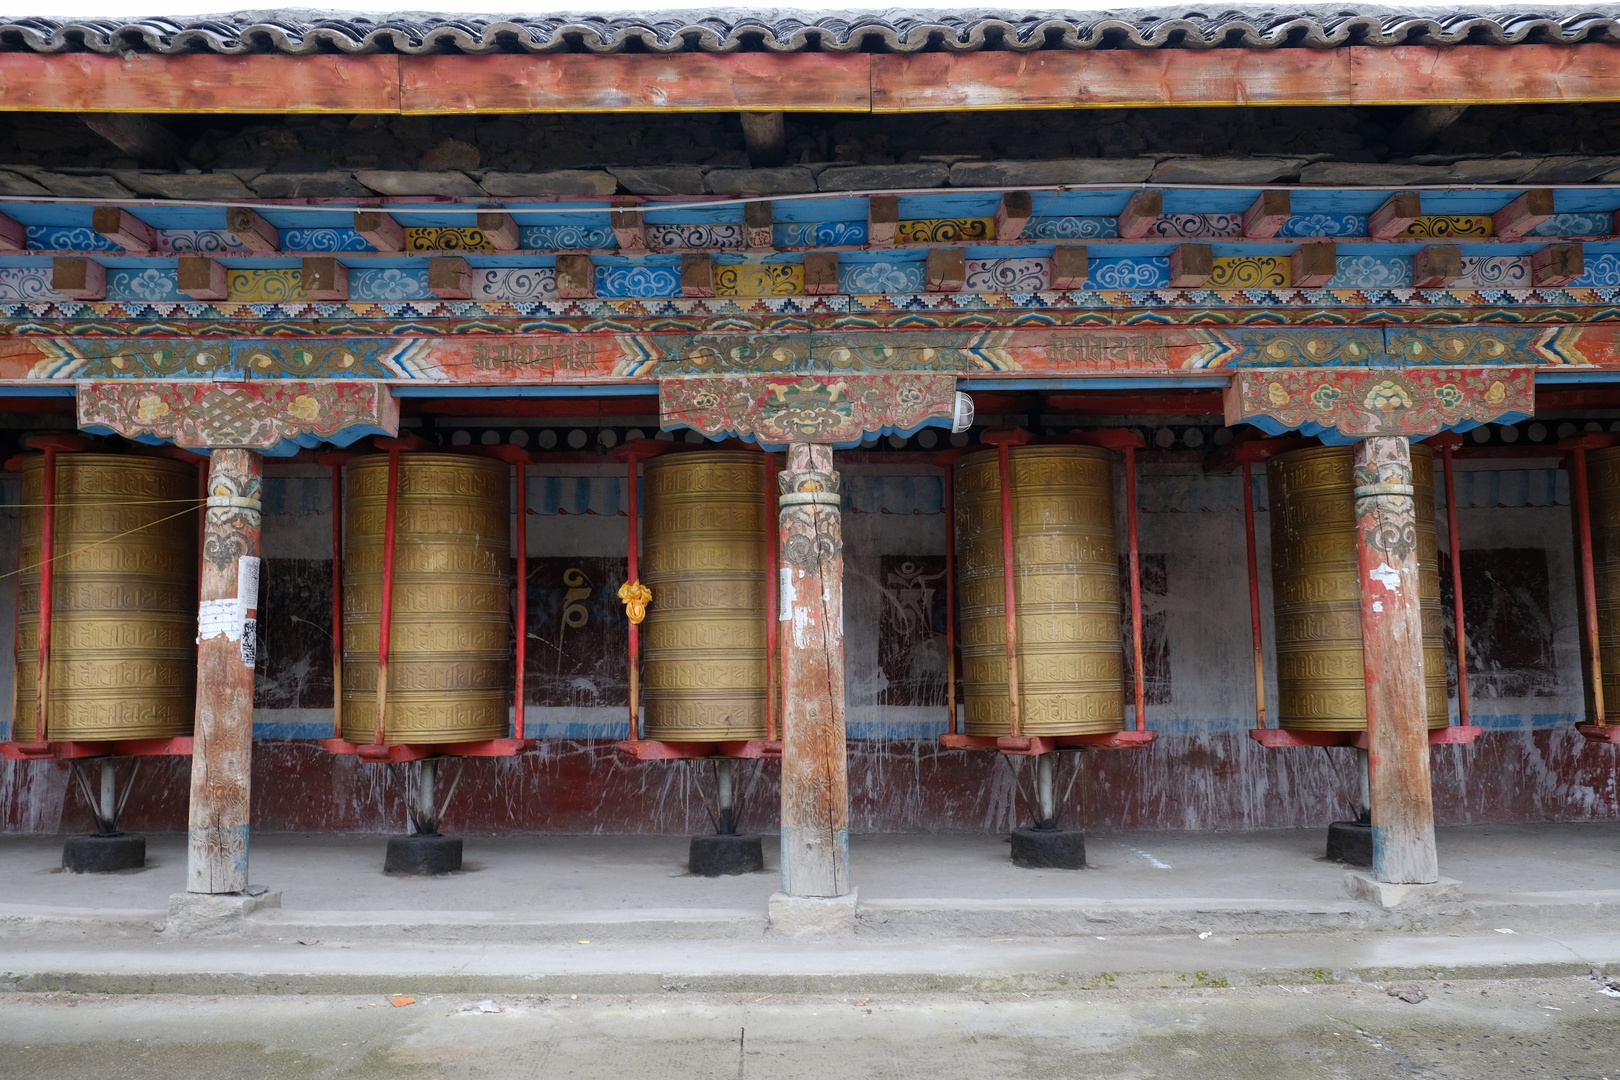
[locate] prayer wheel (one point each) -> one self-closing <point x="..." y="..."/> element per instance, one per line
<point x="1603" y="491"/>
<point x="123" y="658"/>
<point x="1316" y="590"/>
<point x="704" y="558"/>
<point x="450" y="648"/>
<point x="1071" y="662"/>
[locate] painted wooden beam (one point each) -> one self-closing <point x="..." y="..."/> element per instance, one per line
<point x="1191" y="266"/>
<point x="82" y="279"/>
<point x="821" y="273"/>
<point x="140" y="82"/>
<point x="123" y="228"/>
<point x="500" y="229"/>
<point x="252" y="231"/>
<point x="628" y="227"/>
<point x="1013" y="214"/>
<point x="697" y="275"/>
<point x="1397" y="212"/>
<point x="13" y="236"/>
<point x="1070" y="267"/>
<point x="1268" y="215"/>
<point x="882" y="220"/>
<point x="759" y="224"/>
<point x="324" y="278"/>
<point x="379" y="230"/>
<point x="1483" y="74"/>
<point x="621" y="82"/>
<point x="1140" y="213"/>
<point x="450" y="277"/>
<point x="1109" y="78"/>
<point x="1312" y="266"/>
<point x="946" y="270"/>
<point x="576" y="277"/>
<point x="1436" y="265"/>
<point x="1523" y="214"/>
<point x="202" y="278"/>
<point x="1557" y="264"/>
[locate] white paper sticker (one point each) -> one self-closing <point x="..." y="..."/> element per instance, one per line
<point x="784" y="595"/>
<point x="250" y="642"/>
<point x="1387" y="576"/>
<point x="216" y="618"/>
<point x="247" y="582"/>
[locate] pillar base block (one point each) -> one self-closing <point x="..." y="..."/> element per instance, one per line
<point x="103" y="853"/>
<point x="807" y="915"/>
<point x="1350" y="842"/>
<point x="1393" y="896"/>
<point x="423" y="854"/>
<point x="1049" y="849"/>
<point x="721" y="854"/>
<point x="216" y="914"/>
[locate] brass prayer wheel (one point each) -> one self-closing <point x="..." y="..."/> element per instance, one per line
<point x="450" y="649"/>
<point x="1603" y="489"/>
<point x="1316" y="590"/>
<point x="123" y="659"/>
<point x="703" y="556"/>
<point x="1071" y="662"/>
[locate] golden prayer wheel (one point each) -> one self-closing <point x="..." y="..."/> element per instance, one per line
<point x="1603" y="491"/>
<point x="1071" y="662"/>
<point x="1316" y="590"/>
<point x="704" y="554"/>
<point x="123" y="658"/>
<point x="450" y="649"/>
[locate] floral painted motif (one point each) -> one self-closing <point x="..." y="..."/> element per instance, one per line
<point x="944" y="230"/>
<point x="265" y="286"/>
<point x="884" y="276"/>
<point x="515" y="283"/>
<point x="567" y="237"/>
<point x="1307" y="225"/>
<point x="780" y="409"/>
<point x="1129" y="273"/>
<point x="1494" y="272"/>
<point x="1071" y="228"/>
<point x="1008" y="275"/>
<point x="694" y="237"/>
<point x="153" y="284"/>
<point x="1595" y="224"/>
<point x="1600" y="270"/>
<point x="271" y="416"/>
<point x="388" y="284"/>
<point x="449" y="238"/>
<point x="1352" y="403"/>
<point x="55" y="238"/>
<point x="1371" y="272"/>
<point x="820" y="234"/>
<point x="1198" y="226"/>
<point x="199" y="242"/>
<point x="331" y="240"/>
<point x="27" y="283"/>
<point x="1251" y="272"/>
<point x="759" y="279"/>
<point x="638" y="281"/>
<point x="1450" y="225"/>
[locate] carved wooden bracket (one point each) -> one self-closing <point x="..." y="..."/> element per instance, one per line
<point x="840" y="410"/>
<point x="274" y="417"/>
<point x="1345" y="404"/>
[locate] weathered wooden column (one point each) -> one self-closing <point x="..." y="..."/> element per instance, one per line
<point x="815" y="774"/>
<point x="1392" y="653"/>
<point x="222" y="752"/>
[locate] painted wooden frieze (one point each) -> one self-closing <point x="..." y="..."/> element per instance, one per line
<point x="1340" y="405"/>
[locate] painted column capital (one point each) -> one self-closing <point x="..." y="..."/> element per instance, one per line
<point x="274" y="417"/>
<point x="832" y="409"/>
<point x="1342" y="405"/>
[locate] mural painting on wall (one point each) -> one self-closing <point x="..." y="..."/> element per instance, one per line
<point x="1155" y="631"/>
<point x="911" y="630"/>
<point x="1507" y="608"/>
<point x="293" y="669"/>
<point x="578" y="648"/>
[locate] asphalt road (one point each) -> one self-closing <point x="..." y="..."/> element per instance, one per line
<point x="1563" y="1028"/>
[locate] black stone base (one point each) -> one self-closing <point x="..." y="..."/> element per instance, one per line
<point x="423" y="854"/>
<point x="719" y="854"/>
<point x="1350" y="842"/>
<point x="100" y="853"/>
<point x="1050" y="849"/>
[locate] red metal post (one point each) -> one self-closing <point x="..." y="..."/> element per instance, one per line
<point x="1009" y="582"/>
<point x="1254" y="595"/>
<point x="950" y="595"/>
<point x="47" y="582"/>
<point x="632" y="500"/>
<point x="386" y="616"/>
<point x="337" y="601"/>
<point x="1583" y="519"/>
<point x="1136" y="588"/>
<point x="772" y="572"/>
<point x="1456" y="586"/>
<point x="522" y="620"/>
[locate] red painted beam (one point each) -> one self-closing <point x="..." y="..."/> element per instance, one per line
<point x="198" y="83"/>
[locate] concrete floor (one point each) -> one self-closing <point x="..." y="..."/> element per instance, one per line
<point x="1564" y="1027"/>
<point x="625" y="874"/>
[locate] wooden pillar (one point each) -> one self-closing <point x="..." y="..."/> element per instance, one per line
<point x="217" y="860"/>
<point x="815" y="775"/>
<point x="1392" y="650"/>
